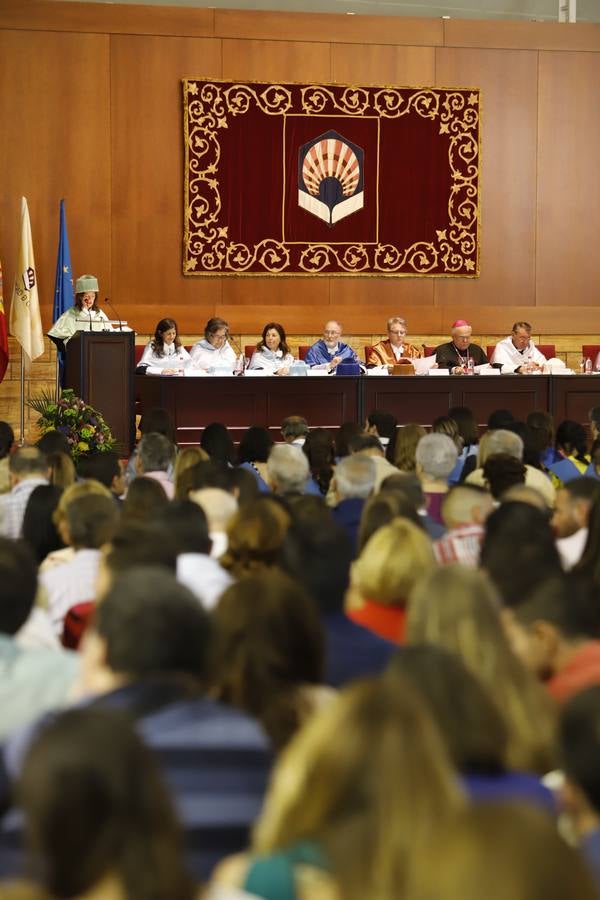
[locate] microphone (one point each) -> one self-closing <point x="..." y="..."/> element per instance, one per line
<point x="117" y="316"/>
<point x="237" y="347"/>
<point x="90" y="315"/>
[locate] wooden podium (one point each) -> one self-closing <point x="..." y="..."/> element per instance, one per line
<point x="99" y="368"/>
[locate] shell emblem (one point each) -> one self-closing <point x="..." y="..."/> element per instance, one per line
<point x="330" y="177"/>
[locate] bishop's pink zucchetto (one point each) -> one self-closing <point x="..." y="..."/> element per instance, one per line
<point x="460" y="323"/>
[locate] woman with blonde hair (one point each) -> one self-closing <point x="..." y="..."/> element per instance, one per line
<point x="407" y="438"/>
<point x="459" y="609"/>
<point x="185" y="459"/>
<point x="392" y="562"/>
<point x="353" y="796"/>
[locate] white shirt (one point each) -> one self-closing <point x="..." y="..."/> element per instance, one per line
<point x="203" y="576"/>
<point x="205" y="356"/>
<point x="511" y="358"/>
<point x="270" y="361"/>
<point x="173" y="358"/>
<point x="570" y="548"/>
<point x="74" y="582"/>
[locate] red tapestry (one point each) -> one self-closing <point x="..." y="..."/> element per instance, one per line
<point x="291" y="179"/>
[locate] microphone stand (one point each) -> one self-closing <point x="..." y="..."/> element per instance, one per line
<point x="90" y="315"/>
<point x="120" y="321"/>
<point x="242" y="357"/>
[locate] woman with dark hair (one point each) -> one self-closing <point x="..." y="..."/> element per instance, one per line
<point x="218" y="443"/>
<point x="214" y="351"/>
<point x="85" y="314"/>
<point x="272" y="353"/>
<point x="253" y="453"/>
<point x="164" y="355"/>
<point x="39" y="530"/>
<point x="343" y="436"/>
<point x="469" y="434"/>
<point x="61" y="469"/>
<point x="501" y="471"/>
<point x="542" y="430"/>
<point x="7" y="439"/>
<point x="571" y="443"/>
<point x="99" y="821"/>
<point x="319" y="449"/>
<point x="268" y="652"/>
<point x="145" y="499"/>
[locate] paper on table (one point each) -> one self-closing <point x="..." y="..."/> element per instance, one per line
<point x="377" y="371"/>
<point x="424" y="364"/>
<point x="486" y="369"/>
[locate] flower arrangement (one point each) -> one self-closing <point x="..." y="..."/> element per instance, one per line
<point x="84" y="427"/>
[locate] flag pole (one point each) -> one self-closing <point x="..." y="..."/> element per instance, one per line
<point x="22" y="439"/>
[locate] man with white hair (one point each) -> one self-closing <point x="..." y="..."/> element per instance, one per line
<point x="517" y="354"/>
<point x="435" y="458"/>
<point x="219" y="508"/>
<point x="352" y="483"/>
<point x="330" y="351"/>
<point x="287" y="470"/>
<point x="503" y="441"/>
<point x="395" y="348"/>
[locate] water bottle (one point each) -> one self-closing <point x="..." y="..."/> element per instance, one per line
<point x="470" y="366"/>
<point x="588" y="366"/>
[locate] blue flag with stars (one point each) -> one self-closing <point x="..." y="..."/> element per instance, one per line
<point x="64" y="295"/>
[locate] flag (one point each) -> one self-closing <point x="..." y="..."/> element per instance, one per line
<point x="25" y="321"/>
<point x="3" y="334"/>
<point x="64" y="296"/>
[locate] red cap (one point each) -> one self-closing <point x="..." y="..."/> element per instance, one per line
<point x="460" y="323"/>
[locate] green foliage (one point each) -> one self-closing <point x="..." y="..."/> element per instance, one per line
<point x="84" y="427"/>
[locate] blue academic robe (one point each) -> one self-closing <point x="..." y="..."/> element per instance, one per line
<point x="319" y="354"/>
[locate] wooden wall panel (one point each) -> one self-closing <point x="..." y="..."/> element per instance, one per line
<point x="568" y="213"/>
<point x="147" y="167"/>
<point x="509" y="35"/>
<point x="259" y="25"/>
<point x="379" y="64"/>
<point x="508" y="81"/>
<point x="276" y="60"/>
<point x="55" y="143"/>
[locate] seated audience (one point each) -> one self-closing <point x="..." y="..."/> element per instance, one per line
<point x="521" y="493"/>
<point x="155" y="421"/>
<point x="295" y="430"/>
<point x="145" y="499"/>
<point x="39" y="530"/>
<point x="556" y="631"/>
<point x="517" y="354"/>
<point x="268" y="653"/>
<point x="334" y="826"/>
<point x="384" y="426"/>
<point x="343" y="436"/>
<point x="571" y="516"/>
<point x="503" y="441"/>
<point x="203" y="474"/>
<point x="447" y="425"/>
<point x="506" y="849"/>
<point x="330" y="351"/>
<point x="53" y="441"/>
<point x="408" y="484"/>
<point x="405" y="450"/>
<point x="352" y="483"/>
<point x="196" y="569"/>
<point x="501" y="472"/>
<point x="91" y="522"/>
<point x="61" y="469"/>
<point x="474" y="729"/>
<point x="369" y="445"/>
<point x="105" y="468"/>
<point x="396" y="347"/>
<point x="383" y="578"/>
<point x="579" y="747"/>
<point x="59" y="518"/>
<point x="217" y="443"/>
<point x="255" y="536"/>
<point x="135" y="545"/>
<point x="33" y="679"/>
<point x="98" y="818"/>
<point x="542" y="427"/>
<point x="164" y="354"/>
<point x="317" y="554"/>
<point x="571" y="445"/>
<point x="243" y="486"/>
<point x="287" y="470"/>
<point x="435" y="458"/>
<point x="185" y="460"/>
<point x="518" y="532"/>
<point x="220" y="508"/>
<point x="155" y="456"/>
<point x="214" y="351"/>
<point x="27" y="469"/>
<point x="319" y="448"/>
<point x="464" y="511"/>
<point x="272" y="353"/>
<point x="381" y="509"/>
<point x="457" y="353"/>
<point x="7" y="440"/>
<point x="499" y="418"/>
<point x="253" y="453"/>
<point x="458" y="608"/>
<point x="469" y="435"/>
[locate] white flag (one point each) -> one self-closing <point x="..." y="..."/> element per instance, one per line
<point x="25" y="322"/>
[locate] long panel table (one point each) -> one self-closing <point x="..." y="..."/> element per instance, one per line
<point x="329" y="401"/>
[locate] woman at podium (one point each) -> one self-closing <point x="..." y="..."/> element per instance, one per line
<point x="84" y="315"/>
<point x="164" y="354"/>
